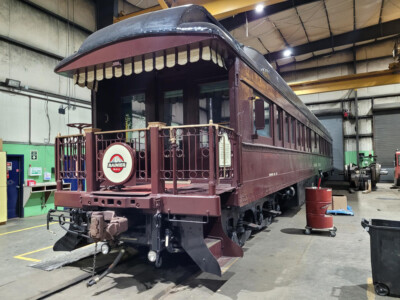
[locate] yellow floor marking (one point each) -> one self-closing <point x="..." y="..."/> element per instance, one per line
<point x="26" y="228"/>
<point x="226" y="267"/>
<point x="21" y="256"/>
<point x="370" y="289"/>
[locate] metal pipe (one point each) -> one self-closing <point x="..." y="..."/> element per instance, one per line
<point x="357" y="131"/>
<point x="352" y="99"/>
<point x="174" y="163"/>
<point x="211" y="184"/>
<point x="210" y="108"/>
<point x="29" y="94"/>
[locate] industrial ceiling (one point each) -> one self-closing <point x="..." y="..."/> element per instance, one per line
<point x="308" y="28"/>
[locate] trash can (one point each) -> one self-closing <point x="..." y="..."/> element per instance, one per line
<point x="385" y="255"/>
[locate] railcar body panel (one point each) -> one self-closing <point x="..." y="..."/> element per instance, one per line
<point x="178" y="93"/>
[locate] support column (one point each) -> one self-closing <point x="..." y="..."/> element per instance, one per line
<point x="156" y="155"/>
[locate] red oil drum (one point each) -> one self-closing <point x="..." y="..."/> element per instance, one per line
<point x="317" y="202"/>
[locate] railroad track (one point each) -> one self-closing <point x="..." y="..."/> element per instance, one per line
<point x="132" y="276"/>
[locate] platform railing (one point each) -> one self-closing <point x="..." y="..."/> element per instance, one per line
<point x="137" y="139"/>
<point x="70" y="160"/>
<point x="193" y="153"/>
<point x="197" y="153"/>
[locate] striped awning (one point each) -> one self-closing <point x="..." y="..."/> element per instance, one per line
<point x="90" y="76"/>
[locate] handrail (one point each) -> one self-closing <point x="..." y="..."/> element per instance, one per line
<point x="119" y="131"/>
<point x="70" y="135"/>
<point x="142" y="129"/>
<point x="196" y="126"/>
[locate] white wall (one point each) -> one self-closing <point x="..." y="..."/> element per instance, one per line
<point x="35" y="28"/>
<point x="14" y="118"/>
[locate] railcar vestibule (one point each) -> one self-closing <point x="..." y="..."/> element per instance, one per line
<point x="192" y="94"/>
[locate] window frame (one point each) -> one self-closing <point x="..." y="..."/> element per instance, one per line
<point x="260" y="138"/>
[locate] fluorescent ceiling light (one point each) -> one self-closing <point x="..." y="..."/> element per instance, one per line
<point x="287" y="52"/>
<point x="259" y="8"/>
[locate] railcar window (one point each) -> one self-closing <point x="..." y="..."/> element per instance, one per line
<point x="133" y="109"/>
<point x="293" y="130"/>
<point x="298" y="136"/>
<point x="214" y="96"/>
<point x="287" y="127"/>
<point x="315" y="140"/>
<point x="278" y="123"/>
<point x="267" y="119"/>
<point x="173" y="107"/>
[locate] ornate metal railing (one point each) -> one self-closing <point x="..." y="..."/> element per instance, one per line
<point x="199" y="153"/>
<point x="137" y="139"/>
<point x="70" y="158"/>
<point x="195" y="153"/>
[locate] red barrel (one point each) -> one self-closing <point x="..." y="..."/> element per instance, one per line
<point x="317" y="202"/>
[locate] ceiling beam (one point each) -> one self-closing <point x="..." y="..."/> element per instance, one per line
<point x="218" y="8"/>
<point x="137" y="13"/>
<point x="359" y="35"/>
<point x="374" y="43"/>
<point x="329" y="24"/>
<point x="238" y="20"/>
<point x="339" y="64"/>
<point x="221" y="9"/>
<point x="354" y="81"/>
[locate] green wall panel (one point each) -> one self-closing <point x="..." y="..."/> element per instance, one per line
<point x="45" y="160"/>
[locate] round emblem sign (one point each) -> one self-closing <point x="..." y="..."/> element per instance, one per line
<point x="118" y="163"/>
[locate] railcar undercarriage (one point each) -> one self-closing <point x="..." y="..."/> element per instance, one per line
<point x="212" y="242"/>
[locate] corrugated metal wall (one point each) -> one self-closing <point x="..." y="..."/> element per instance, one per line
<point x="387" y="138"/>
<point x="334" y="124"/>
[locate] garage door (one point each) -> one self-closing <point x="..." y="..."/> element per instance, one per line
<point x="334" y="124"/>
<point x="386" y="139"/>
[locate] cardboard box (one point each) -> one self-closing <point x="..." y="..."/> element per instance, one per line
<point x="338" y="202"/>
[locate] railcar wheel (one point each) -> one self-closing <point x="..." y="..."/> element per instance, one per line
<point x="381" y="289"/>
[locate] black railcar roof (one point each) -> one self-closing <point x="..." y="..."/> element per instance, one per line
<point x="189" y="19"/>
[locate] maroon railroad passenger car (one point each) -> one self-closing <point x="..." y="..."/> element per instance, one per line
<point x="196" y="140"/>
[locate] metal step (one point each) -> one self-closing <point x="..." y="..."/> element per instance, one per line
<point x="215" y="246"/>
<point x="225" y="262"/>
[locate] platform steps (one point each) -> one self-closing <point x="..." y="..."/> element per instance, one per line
<point x="215" y="247"/>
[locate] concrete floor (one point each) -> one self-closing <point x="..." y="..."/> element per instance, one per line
<point x="279" y="263"/>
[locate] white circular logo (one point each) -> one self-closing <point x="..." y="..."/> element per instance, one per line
<point x="117" y="163"/>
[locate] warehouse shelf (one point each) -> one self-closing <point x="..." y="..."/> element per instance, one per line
<point x="46" y="187"/>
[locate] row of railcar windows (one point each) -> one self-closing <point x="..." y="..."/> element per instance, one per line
<point x="283" y="130"/>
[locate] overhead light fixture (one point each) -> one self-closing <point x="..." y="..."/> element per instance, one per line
<point x="259" y="8"/>
<point x="13" y="83"/>
<point x="287" y="52"/>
